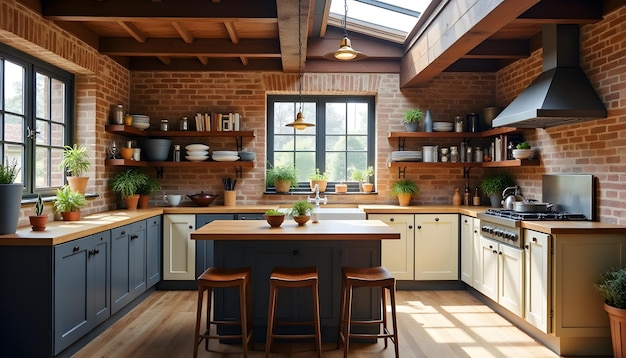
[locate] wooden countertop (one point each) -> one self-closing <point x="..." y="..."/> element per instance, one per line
<point x="423" y="209"/>
<point x="289" y="230"/>
<point x="574" y="227"/>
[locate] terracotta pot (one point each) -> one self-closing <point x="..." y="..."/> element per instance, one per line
<point x="341" y="188"/>
<point x="274" y="220"/>
<point x="321" y="183"/>
<point x="282" y="186"/>
<point x="132" y="201"/>
<point x="617" y="319"/>
<point x="404" y="199"/>
<point x="301" y="219"/>
<point x="144" y="201"/>
<point x="367" y="187"/>
<point x="70" y="215"/>
<point x="78" y="184"/>
<point x="38" y="222"/>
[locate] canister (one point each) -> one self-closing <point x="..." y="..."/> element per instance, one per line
<point x="164" y="125"/>
<point x="459" y="124"/>
<point x="472" y="122"/>
<point x="184" y="124"/>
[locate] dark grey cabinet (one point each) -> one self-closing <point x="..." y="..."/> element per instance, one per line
<point x="128" y="264"/>
<point x="154" y="242"/>
<point x="204" y="248"/>
<point x="81" y="288"/>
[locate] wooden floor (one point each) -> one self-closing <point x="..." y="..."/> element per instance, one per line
<point x="431" y="324"/>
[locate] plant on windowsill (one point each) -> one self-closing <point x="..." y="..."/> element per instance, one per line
<point x="494" y="185"/>
<point x="362" y="176"/>
<point x="74" y="163"/>
<point x="274" y="217"/>
<point x="145" y="190"/>
<point x="412" y="119"/>
<point x="300" y="211"/>
<point x="403" y="189"/>
<point x="321" y="179"/>
<point x="68" y="203"/>
<point x="282" y="178"/>
<point x="11" y="194"/>
<point x="127" y="184"/>
<point x="39" y="220"/>
<point x="612" y="286"/>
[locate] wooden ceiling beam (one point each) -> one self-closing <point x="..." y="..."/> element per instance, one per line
<point x="514" y="49"/>
<point x="370" y="65"/>
<point x="232" y="31"/>
<point x="133" y="31"/>
<point x="564" y="12"/>
<point x="191" y="64"/>
<point x="165" y="60"/>
<point x="212" y="48"/>
<point x="289" y="26"/>
<point x="182" y="31"/>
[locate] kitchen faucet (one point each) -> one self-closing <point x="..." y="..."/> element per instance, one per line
<point x="317" y="200"/>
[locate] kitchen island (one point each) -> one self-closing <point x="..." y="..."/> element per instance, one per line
<point x="328" y="245"/>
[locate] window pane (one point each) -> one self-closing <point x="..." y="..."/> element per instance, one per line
<point x="305" y="143"/>
<point x="13" y="128"/>
<point x="357" y="161"/>
<point x="336" y="166"/>
<point x="57" y="135"/>
<point x="305" y="165"/>
<point x="14" y="87"/>
<point x="357" y="118"/>
<point x="357" y="142"/>
<point x="283" y="142"/>
<point x="43" y="132"/>
<point x="283" y="159"/>
<point x="15" y="152"/>
<point x="41" y="168"/>
<point x="335" y="118"/>
<point x="57" y="101"/>
<point x="56" y="179"/>
<point x="43" y="103"/>
<point x="284" y="113"/>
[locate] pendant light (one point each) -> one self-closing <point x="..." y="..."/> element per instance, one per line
<point x="345" y="51"/>
<point x="299" y="123"/>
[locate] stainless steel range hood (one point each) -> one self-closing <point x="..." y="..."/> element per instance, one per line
<point x="561" y="94"/>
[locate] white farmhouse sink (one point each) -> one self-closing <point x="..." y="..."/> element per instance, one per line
<point x="337" y="213"/>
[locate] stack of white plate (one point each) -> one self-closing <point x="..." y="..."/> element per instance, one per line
<point x="225" y="155"/>
<point x="443" y="126"/>
<point x="197" y="152"/>
<point x="406" y="156"/>
<point x="141" y="121"/>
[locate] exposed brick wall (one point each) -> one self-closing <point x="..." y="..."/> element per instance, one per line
<point x="595" y="147"/>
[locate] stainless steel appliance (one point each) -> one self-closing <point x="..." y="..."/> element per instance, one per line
<point x="575" y="192"/>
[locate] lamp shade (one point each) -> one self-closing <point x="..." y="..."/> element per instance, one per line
<point x="300" y="123"/>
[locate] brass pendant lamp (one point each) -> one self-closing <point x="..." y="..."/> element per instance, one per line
<point x="345" y="51"/>
<point x="300" y="123"/>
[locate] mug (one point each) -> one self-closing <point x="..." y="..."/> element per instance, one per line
<point x="137" y="154"/>
<point x="173" y="199"/>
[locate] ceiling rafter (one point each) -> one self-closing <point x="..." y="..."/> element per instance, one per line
<point x="213" y="48"/>
<point x="182" y="31"/>
<point x="133" y="31"/>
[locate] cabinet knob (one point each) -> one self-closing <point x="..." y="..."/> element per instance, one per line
<point x="123" y="232"/>
<point x="419" y="227"/>
<point x="76" y="248"/>
<point x="499" y="252"/>
<point x="436" y="219"/>
<point x="391" y="219"/>
<point x="534" y="239"/>
<point x="190" y="227"/>
<point x="296" y="252"/>
<point x="410" y="226"/>
<point x="495" y="251"/>
<point x="526" y="247"/>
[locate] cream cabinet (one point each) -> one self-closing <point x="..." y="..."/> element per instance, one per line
<point x="501" y="274"/>
<point x="397" y="255"/>
<point x="536" y="279"/>
<point x="436" y="247"/>
<point x="179" y="251"/>
<point x="467" y="249"/>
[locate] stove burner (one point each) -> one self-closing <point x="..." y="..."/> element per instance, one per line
<point x="548" y="215"/>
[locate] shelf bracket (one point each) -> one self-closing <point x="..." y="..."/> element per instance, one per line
<point x="401" y="142"/>
<point x="466" y="171"/>
<point x="401" y="172"/>
<point x="239" y="143"/>
<point x="238" y="172"/>
<point x="159" y="172"/>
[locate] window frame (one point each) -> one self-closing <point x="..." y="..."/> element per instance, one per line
<point x="32" y="66"/>
<point x="320" y="129"/>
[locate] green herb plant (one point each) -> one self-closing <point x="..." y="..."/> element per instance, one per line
<point x="68" y="200"/>
<point x="523" y="145"/>
<point x="274" y="212"/>
<point x="404" y="186"/>
<point x="150" y="187"/>
<point x="318" y="176"/>
<point x="363" y="175"/>
<point x="300" y="207"/>
<point x="128" y="182"/>
<point x="281" y="174"/>
<point x="496" y="184"/>
<point x="39" y="206"/>
<point x="414" y="115"/>
<point x="8" y="172"/>
<point x="75" y="160"/>
<point x="612" y="286"/>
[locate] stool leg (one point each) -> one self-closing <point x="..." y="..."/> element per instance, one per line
<point x="270" y="319"/>
<point x="392" y="295"/>
<point x="198" y="318"/>
<point x="384" y="313"/>
<point x="209" y="301"/>
<point x="346" y="335"/>
<point x="316" y="313"/>
<point x="250" y="318"/>
<point x="342" y="311"/>
<point x="244" y="319"/>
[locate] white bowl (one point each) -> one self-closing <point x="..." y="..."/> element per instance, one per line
<point x="197" y="153"/>
<point x="229" y="153"/>
<point x="222" y="158"/>
<point x="196" y="158"/>
<point x="194" y="147"/>
<point x="522" y="153"/>
<point x="141" y="126"/>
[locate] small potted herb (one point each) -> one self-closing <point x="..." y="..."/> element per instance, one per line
<point x="300" y="211"/>
<point x="494" y="185"/>
<point x="274" y="217"/>
<point x="39" y="220"/>
<point x="127" y="184"/>
<point x="612" y="286"/>
<point x="68" y="203"/>
<point x="412" y="118"/>
<point x="282" y="178"/>
<point x="321" y="179"/>
<point x="146" y="189"/>
<point x="362" y="176"/>
<point x="403" y="189"/>
<point x="76" y="161"/>
<point x="522" y="151"/>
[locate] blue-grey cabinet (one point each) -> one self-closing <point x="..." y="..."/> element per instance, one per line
<point x="153" y="250"/>
<point x="81" y="288"/>
<point x="204" y="248"/>
<point x="128" y="264"/>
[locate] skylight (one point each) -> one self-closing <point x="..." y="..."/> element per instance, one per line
<point x="387" y="19"/>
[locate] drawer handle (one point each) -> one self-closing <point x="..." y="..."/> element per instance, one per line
<point x="133" y="237"/>
<point x="94" y="252"/>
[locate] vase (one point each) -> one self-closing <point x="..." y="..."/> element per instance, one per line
<point x="38" y="222"/>
<point x="301" y="219"/>
<point x="456" y="198"/>
<point x="274" y="220"/>
<point x="617" y="320"/>
<point x="11" y="202"/>
<point x="428" y="122"/>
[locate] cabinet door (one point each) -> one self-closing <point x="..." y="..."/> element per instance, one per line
<point x="511" y="278"/>
<point x="476" y="254"/>
<point x="100" y="275"/>
<point x="467" y="249"/>
<point x="153" y="251"/>
<point x="179" y="251"/>
<point x="137" y="256"/>
<point x="205" y="248"/>
<point x="397" y="255"/>
<point x="121" y="283"/>
<point x="250" y="216"/>
<point x="537" y="279"/>
<point x="488" y="268"/>
<point x="436" y="247"/>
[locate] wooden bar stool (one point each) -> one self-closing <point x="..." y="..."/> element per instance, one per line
<point x="216" y="277"/>
<point x="352" y="278"/>
<point x="293" y="277"/>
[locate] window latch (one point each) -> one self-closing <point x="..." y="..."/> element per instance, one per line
<point x="31" y="133"/>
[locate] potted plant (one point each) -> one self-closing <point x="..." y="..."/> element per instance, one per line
<point x="39" y="220"/>
<point x="127" y="184"/>
<point x="74" y="163"/>
<point x="150" y="187"/>
<point x="493" y="186"/>
<point x="274" y="217"/>
<point x="321" y="179"/>
<point x="300" y="211"/>
<point x="11" y="194"/>
<point x="522" y="151"/>
<point x="282" y="178"/>
<point x="612" y="286"/>
<point x="412" y="118"/>
<point x="68" y="203"/>
<point x="403" y="189"/>
<point x="362" y="176"/>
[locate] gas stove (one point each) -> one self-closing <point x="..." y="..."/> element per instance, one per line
<point x="548" y="215"/>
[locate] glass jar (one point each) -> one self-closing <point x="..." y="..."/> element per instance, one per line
<point x="478" y="155"/>
<point x="463" y="152"/>
<point x="459" y="125"/>
<point x="176" y="155"/>
<point x="469" y="154"/>
<point x="454" y="155"/>
<point x="165" y="125"/>
<point x="184" y="124"/>
<point x="445" y="157"/>
<point x="118" y="117"/>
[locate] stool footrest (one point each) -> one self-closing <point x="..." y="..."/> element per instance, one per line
<point x="226" y="323"/>
<point x="367" y="322"/>
<point x="294" y="323"/>
<point x="294" y="336"/>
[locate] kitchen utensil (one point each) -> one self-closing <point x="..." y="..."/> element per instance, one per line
<point x="532" y="206"/>
<point x="202" y="198"/>
<point x="511" y="198"/>
<point x="173" y="199"/>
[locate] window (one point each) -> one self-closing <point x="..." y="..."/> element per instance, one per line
<point x="341" y="141"/>
<point x="35" y="118"/>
